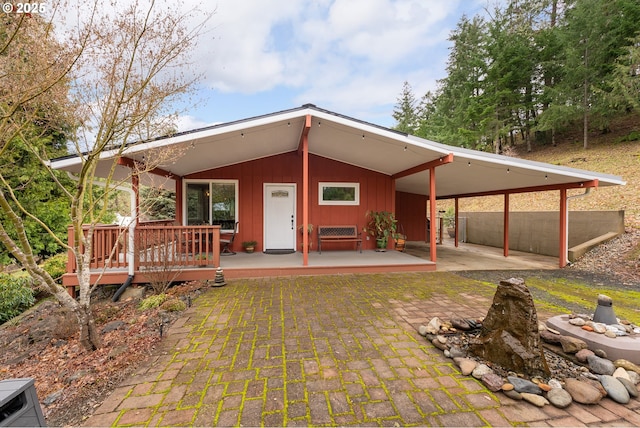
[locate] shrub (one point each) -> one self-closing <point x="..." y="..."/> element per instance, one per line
<point x="56" y="266"/>
<point x="174" y="305"/>
<point x="16" y="295"/>
<point x="152" y="301"/>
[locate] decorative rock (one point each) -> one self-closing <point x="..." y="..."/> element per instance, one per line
<point x="582" y="355"/>
<point x="559" y="398"/>
<point x="571" y="344"/>
<point x="579" y="322"/>
<point x="460" y="324"/>
<point x="633" y="377"/>
<point x="434" y="326"/>
<point x="553" y="331"/>
<point x="631" y="388"/>
<point x="513" y="394"/>
<point x="610" y="334"/>
<point x="596" y="383"/>
<point x="600" y="353"/>
<point x="442" y="339"/>
<point x="466" y="365"/>
<point x="507" y="387"/>
<point x="621" y="373"/>
<point x="481" y="370"/>
<point x="582" y="391"/>
<point x="627" y="365"/>
<point x="544" y="387"/>
<point x="550" y="337"/>
<point x="492" y="381"/>
<point x="599" y="327"/>
<point x="422" y="330"/>
<point x="587" y="328"/>
<point x="555" y="384"/>
<point x="509" y="335"/>
<point x="615" y="389"/>
<point x="441" y="346"/>
<point x="456" y="352"/>
<point x="523" y="385"/>
<point x="600" y="365"/>
<point x="535" y="399"/>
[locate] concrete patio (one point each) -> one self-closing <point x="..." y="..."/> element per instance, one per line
<point x="326" y="351"/>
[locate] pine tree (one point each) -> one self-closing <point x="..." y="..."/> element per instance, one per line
<point x="404" y="111"/>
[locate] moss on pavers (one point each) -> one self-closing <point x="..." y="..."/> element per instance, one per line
<point x="329" y="350"/>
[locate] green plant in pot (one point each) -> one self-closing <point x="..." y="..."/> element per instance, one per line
<point x="249" y="246"/>
<point x="381" y="225"/>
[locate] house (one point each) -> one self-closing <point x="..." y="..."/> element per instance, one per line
<point x="275" y="174"/>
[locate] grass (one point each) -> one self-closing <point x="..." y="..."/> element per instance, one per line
<point x="616" y="153"/>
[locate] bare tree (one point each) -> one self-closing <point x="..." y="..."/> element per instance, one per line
<point x="115" y="77"/>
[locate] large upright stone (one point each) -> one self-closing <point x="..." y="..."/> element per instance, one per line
<point x="509" y="334"/>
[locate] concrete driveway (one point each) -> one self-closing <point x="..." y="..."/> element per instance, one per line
<point x="326" y="350"/>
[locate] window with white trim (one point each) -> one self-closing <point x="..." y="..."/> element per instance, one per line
<point x="212" y="202"/>
<point x="338" y="193"/>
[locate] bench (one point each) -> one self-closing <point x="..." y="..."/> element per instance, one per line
<point x="339" y="234"/>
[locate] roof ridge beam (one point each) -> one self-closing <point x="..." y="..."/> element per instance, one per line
<point x="305" y="133"/>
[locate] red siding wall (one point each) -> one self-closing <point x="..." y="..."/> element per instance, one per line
<point x="411" y="212"/>
<point x="376" y="193"/>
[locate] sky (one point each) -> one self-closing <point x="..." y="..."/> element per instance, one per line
<point x="347" y="56"/>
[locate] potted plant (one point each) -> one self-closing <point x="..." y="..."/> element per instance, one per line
<point x="449" y="218"/>
<point x="381" y="225"/>
<point x="249" y="246"/>
<point x="309" y="232"/>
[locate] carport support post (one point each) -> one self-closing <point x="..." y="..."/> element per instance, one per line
<point x="505" y="242"/>
<point x="305" y="191"/>
<point x="432" y="213"/>
<point x="455" y="220"/>
<point x="564" y="244"/>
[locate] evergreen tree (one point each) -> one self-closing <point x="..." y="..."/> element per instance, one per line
<point x="404" y="111"/>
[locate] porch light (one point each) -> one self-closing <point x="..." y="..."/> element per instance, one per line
<point x="468" y="163"/>
<point x="405" y="148"/>
<point x="363" y="136"/>
<point x="508" y="170"/>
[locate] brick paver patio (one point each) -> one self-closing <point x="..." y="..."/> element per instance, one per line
<point x="330" y="350"/>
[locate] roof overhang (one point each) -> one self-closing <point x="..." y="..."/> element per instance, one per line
<point x="348" y="140"/>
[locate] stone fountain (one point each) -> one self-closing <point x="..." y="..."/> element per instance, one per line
<point x="509" y="334"/>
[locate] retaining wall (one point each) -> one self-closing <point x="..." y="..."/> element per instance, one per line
<point x="537" y="232"/>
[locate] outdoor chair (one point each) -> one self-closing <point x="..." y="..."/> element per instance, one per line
<point x="227" y="242"/>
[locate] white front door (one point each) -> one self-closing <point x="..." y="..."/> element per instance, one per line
<point x="279" y="217"/>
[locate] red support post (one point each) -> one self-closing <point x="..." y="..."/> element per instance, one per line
<point x="432" y="213"/>
<point x="563" y="238"/>
<point x="505" y="242"/>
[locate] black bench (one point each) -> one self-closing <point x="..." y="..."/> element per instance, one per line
<point x="339" y="234"/>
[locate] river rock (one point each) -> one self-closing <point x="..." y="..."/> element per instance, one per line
<point x="441" y="346"/>
<point x="460" y="324"/>
<point x="600" y="353"/>
<point x="524" y="385"/>
<point x="509" y="335"/>
<point x="633" y="377"/>
<point x="555" y="384"/>
<point x="599" y="327"/>
<point x="492" y="381"/>
<point x="442" y="339"/>
<point x="535" y="399"/>
<point x="627" y="365"/>
<point x="621" y="373"/>
<point x="571" y="344"/>
<point x="615" y="389"/>
<point x="422" y="330"/>
<point x="600" y="365"/>
<point x="466" y="365"/>
<point x="631" y="388"/>
<point x="559" y="398"/>
<point x="578" y="322"/>
<point x="550" y="337"/>
<point x="596" y="384"/>
<point x="434" y="326"/>
<point x="582" y="355"/>
<point x="481" y="370"/>
<point x="456" y="352"/>
<point x="610" y="334"/>
<point x="513" y="394"/>
<point x="582" y="391"/>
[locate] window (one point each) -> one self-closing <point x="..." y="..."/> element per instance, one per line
<point x="338" y="193"/>
<point x="213" y="202"/>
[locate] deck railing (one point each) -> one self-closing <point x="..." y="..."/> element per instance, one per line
<point x="154" y="246"/>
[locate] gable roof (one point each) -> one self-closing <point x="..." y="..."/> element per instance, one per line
<point x="355" y="142"/>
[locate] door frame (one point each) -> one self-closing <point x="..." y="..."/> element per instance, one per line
<point x="264" y="212"/>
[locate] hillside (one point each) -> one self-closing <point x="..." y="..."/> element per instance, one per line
<point x="609" y="153"/>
